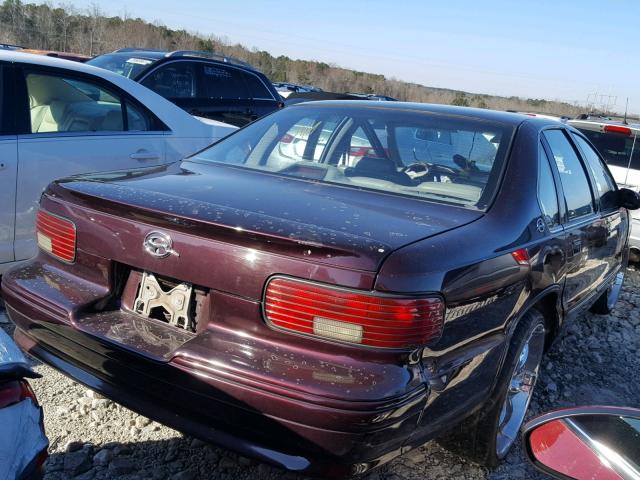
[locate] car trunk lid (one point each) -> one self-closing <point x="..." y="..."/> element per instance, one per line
<point x="232" y="228"/>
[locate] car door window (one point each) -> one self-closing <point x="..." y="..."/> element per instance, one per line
<point x="174" y="80"/>
<point x="547" y="193"/>
<point x="223" y="83"/>
<point x="603" y="180"/>
<point x="61" y="104"/>
<point x="576" y="187"/>
<point x="257" y="89"/>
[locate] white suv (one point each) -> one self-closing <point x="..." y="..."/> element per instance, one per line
<point x="619" y="145"/>
<point x="60" y="118"/>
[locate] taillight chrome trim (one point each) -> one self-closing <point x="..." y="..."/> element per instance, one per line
<point x="372" y="293"/>
<point x="68" y="246"/>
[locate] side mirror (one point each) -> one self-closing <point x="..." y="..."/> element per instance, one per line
<point x="628" y="199"/>
<point x="595" y="443"/>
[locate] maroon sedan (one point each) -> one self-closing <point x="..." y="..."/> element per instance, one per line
<point x="332" y="285"/>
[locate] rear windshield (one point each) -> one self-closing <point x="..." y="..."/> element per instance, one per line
<point x="443" y="158"/>
<point x="126" y="65"/>
<point x="616" y="149"/>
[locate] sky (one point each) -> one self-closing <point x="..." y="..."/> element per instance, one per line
<point x="566" y="50"/>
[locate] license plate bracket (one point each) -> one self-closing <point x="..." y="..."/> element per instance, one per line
<point x="173" y="306"/>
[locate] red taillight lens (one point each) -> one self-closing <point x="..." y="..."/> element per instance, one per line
<point x="521" y="256"/>
<point x="56" y="235"/>
<point x="353" y="317"/>
<point x="617" y="129"/>
<point x="14" y="392"/>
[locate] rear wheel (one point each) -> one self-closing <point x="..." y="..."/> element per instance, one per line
<point x="487" y="436"/>
<point x="605" y="303"/>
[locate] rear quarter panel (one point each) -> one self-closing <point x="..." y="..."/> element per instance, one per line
<point x="485" y="289"/>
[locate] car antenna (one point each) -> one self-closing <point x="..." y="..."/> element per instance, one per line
<point x="626" y="107"/>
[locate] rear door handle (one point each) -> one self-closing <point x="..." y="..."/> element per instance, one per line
<point x="144" y="155"/>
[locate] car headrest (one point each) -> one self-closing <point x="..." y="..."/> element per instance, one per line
<point x="380" y="168"/>
<point x="374" y="165"/>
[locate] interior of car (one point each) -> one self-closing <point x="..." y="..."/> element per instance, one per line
<point x="447" y="160"/>
<point x="59" y="104"/>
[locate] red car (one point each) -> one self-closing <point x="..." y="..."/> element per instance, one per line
<point x="325" y="312"/>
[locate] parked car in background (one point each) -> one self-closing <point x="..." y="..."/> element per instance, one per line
<point x="202" y="83"/>
<point x="23" y="443"/>
<point x="285" y="89"/>
<point x="75" y="57"/>
<point x="340" y="310"/>
<point x="619" y="145"/>
<point x="9" y="46"/>
<point x="60" y="118"/>
<point x="374" y="96"/>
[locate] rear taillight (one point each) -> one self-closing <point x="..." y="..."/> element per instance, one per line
<point x="617" y="129"/>
<point x="14" y="392"/>
<point x="354" y="317"/>
<point x="521" y="256"/>
<point x="56" y="235"/>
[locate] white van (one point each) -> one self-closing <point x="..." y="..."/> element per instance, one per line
<point x="619" y="145"/>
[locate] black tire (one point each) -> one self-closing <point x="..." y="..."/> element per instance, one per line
<point x="476" y="438"/>
<point x="607" y="301"/>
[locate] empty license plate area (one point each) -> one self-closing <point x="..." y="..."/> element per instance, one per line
<point x="168" y="301"/>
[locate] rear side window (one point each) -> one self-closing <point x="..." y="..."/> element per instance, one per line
<point x="61" y="104"/>
<point x="547" y="193"/>
<point x="174" y="80"/>
<point x="223" y="83"/>
<point x="256" y="87"/>
<point x="139" y="119"/>
<point x="577" y="192"/>
<point x="604" y="183"/>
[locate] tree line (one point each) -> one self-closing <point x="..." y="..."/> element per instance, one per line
<point x="90" y="32"/>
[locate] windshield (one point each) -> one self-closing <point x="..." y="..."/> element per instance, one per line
<point x="449" y="159"/>
<point x="125" y="65"/>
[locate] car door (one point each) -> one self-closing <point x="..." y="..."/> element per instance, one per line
<point x="607" y="241"/>
<point x="581" y="220"/>
<point x="8" y="166"/>
<point x="72" y="124"/>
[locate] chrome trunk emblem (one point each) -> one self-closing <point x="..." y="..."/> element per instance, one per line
<point x="159" y="245"/>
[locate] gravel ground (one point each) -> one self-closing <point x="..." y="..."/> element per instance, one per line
<point x="92" y="437"/>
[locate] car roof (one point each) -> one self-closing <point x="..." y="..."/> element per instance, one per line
<point x="157" y="55"/>
<point x="513" y="119"/>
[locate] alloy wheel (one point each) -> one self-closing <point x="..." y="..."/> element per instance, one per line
<point x="521" y="384"/>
